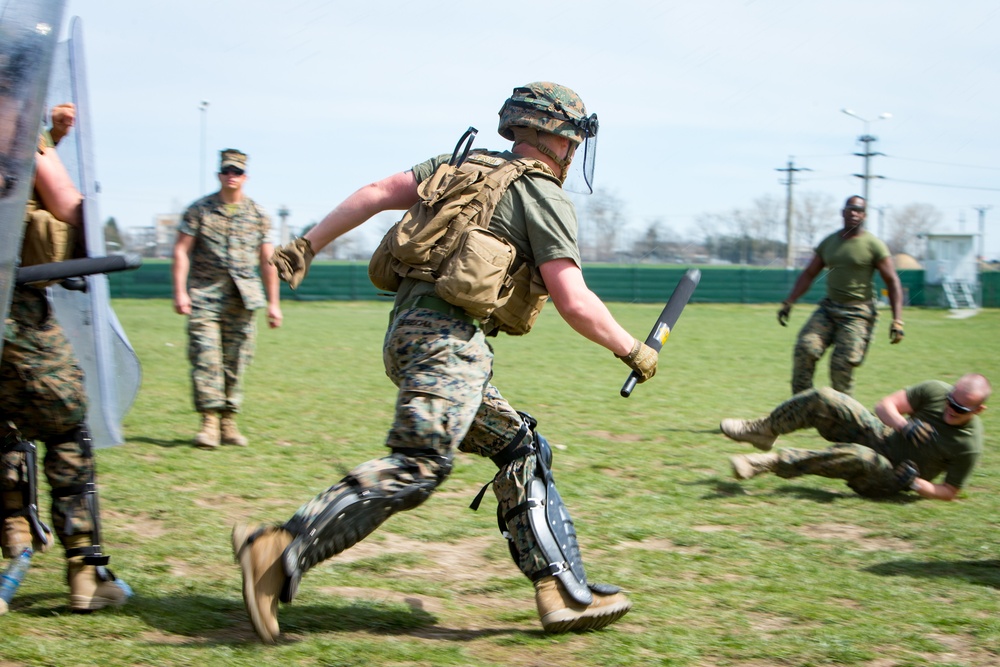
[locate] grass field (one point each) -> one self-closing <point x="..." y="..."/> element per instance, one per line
<point x="764" y="572"/>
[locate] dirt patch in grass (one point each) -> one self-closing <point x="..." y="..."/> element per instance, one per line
<point x="415" y="602"/>
<point x="461" y="560"/>
<point x="615" y="437"/>
<point x="713" y="528"/>
<point x="960" y="650"/>
<point x="855" y="534"/>
<point x="659" y="544"/>
<point x="142" y="524"/>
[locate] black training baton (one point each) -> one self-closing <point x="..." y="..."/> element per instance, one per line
<point x="666" y="321"/>
<point x="75" y="268"/>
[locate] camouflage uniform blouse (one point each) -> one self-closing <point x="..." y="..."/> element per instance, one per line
<point x="227" y="247"/>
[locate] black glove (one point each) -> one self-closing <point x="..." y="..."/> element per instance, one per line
<point x="918" y="432"/>
<point x="783" y="313"/>
<point x="896" y="332"/>
<point x="906" y="472"/>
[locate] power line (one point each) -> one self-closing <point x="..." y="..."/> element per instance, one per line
<point x="945" y="164"/>
<point x="942" y="185"/>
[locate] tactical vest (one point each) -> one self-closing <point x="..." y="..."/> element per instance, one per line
<point x="445" y="239"/>
<point x="46" y="238"/>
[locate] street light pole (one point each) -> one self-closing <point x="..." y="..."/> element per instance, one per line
<point x="283" y="236"/>
<point x="202" y="187"/>
<point x="867" y="139"/>
<point x="982" y="231"/>
<point x="789" y="211"/>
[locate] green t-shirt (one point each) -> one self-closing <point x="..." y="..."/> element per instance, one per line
<point x="957" y="448"/>
<point x="851" y="263"/>
<point x="535" y="215"/>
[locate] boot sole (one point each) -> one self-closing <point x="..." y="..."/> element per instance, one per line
<point x="567" y="620"/>
<point x="761" y="442"/>
<point x="741" y="469"/>
<point x="240" y="534"/>
<point x="79" y="604"/>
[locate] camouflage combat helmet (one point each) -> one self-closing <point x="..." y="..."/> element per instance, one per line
<point x="547" y="107"/>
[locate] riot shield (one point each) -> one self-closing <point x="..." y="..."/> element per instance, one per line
<point x="28" y="33"/>
<point x="110" y="365"/>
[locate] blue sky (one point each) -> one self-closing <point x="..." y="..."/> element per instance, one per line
<point x="699" y="102"/>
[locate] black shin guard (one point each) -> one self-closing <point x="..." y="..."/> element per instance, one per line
<point x="93" y="554"/>
<point x="13" y="442"/>
<point x="546" y="516"/>
<point x="352" y="515"/>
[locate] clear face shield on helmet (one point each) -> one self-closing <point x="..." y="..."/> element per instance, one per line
<point x="580" y="178"/>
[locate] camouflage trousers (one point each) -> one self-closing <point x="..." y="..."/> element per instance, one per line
<point x="42" y="397"/>
<point x="848" y="327"/>
<point x="860" y="437"/>
<point x="221" y="338"/>
<point x="442" y="367"/>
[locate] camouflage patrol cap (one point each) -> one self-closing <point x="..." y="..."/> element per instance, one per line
<point x="547" y="107"/>
<point x="233" y="158"/>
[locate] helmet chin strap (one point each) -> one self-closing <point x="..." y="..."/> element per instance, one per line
<point x="529" y="135"/>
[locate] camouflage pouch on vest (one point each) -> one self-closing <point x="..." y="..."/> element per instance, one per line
<point x="444" y="238"/>
<point x="46" y="238"/>
<point x="518" y="314"/>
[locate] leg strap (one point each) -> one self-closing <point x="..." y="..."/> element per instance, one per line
<point x="29" y="490"/>
<point x="93" y="553"/>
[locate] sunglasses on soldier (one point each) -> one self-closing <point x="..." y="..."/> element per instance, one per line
<point x="956" y="406"/>
<point x="235" y="171"/>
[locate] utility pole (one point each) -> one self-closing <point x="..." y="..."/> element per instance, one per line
<point x="283" y="213"/>
<point x="867" y="139"/>
<point x="789" y="209"/>
<point x="982" y="231"/>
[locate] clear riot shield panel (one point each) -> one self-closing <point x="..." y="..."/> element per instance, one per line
<point x="110" y="365"/>
<point x="28" y="33"/>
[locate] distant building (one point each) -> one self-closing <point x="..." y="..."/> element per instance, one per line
<point x="158" y="239"/>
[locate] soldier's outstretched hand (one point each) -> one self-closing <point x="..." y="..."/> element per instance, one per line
<point x="292" y="261"/>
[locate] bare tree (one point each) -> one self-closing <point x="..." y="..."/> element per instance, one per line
<point x="604" y="213"/>
<point x="814" y="212"/>
<point x="908" y="225"/>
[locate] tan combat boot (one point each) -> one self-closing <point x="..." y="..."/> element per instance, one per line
<point x="746" y="466"/>
<point x="755" y="431"/>
<point x="208" y="437"/>
<point x="258" y="552"/>
<point x="17" y="536"/>
<point x="230" y="432"/>
<point x="561" y="613"/>
<point x="87" y="591"/>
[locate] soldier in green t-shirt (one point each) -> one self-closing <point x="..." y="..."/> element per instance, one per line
<point x="846" y="318"/>
<point x="915" y="435"/>
<point x="438" y="356"/>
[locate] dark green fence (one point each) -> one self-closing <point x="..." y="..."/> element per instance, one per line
<point x="348" y="281"/>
